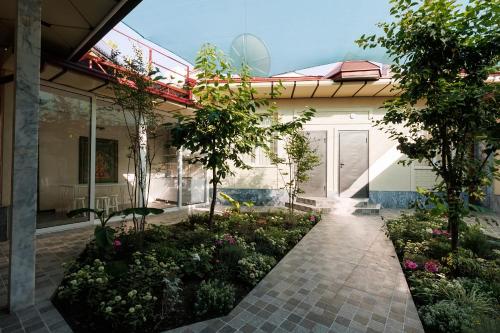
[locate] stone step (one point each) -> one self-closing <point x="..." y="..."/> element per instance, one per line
<point x="315" y="201"/>
<point x="366" y="208"/>
<point x="310" y="208"/>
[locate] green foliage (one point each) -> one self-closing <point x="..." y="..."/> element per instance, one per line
<point x="452" y="305"/>
<point x="235" y="203"/>
<point x="254" y="267"/>
<point x="443" y="53"/>
<point x="430" y="203"/>
<point x="161" y="287"/>
<point x="414" y="228"/>
<point x="80" y="284"/>
<point x="214" y="298"/>
<point x="271" y="241"/>
<point x="103" y="234"/>
<point x="463" y="295"/>
<point x="475" y="240"/>
<point x="300" y="158"/>
<point x="227" y="123"/>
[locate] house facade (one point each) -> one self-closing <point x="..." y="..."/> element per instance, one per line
<point x="358" y="159"/>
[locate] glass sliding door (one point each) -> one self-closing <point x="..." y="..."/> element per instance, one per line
<point x="193" y="181"/>
<point x="164" y="177"/>
<point x="63" y="176"/>
<point x="114" y="170"/>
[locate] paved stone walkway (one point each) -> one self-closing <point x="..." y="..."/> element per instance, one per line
<point x="343" y="276"/>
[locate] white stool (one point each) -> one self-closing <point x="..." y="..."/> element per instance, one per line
<point x="102" y="203"/>
<point x="79" y="202"/>
<point x="114" y="203"/>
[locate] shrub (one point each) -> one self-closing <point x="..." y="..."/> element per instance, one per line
<point x="450" y="303"/>
<point x="214" y="298"/>
<point x="414" y="228"/>
<point x="271" y="241"/>
<point x="475" y="240"/>
<point x="198" y="219"/>
<point x="444" y="316"/>
<point x="254" y="267"/>
<point x="86" y="284"/>
<point x="198" y="260"/>
<point x="464" y="263"/>
<point x="157" y="234"/>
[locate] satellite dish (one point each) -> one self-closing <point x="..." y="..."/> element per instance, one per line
<point x="250" y="50"/>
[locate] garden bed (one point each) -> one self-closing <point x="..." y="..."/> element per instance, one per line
<point x="175" y="275"/>
<point x="454" y="292"/>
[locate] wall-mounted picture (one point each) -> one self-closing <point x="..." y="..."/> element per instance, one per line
<point x="106" y="160"/>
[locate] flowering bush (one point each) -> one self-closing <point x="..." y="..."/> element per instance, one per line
<point x="198" y="260"/>
<point x="254" y="267"/>
<point x="271" y="241"/>
<point x="132" y="310"/>
<point x="214" y="298"/>
<point x="157" y="285"/>
<point x="411" y="265"/>
<point x="432" y="266"/>
<point x="453" y="291"/>
<point x="84" y="284"/>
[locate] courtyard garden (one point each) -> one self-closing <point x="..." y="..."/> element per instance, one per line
<point x="170" y="276"/>
<point x="454" y="291"/>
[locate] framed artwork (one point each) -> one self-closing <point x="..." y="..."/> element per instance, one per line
<point x="106" y="160"/>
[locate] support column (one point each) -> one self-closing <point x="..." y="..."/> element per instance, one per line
<point x="180" y="175"/>
<point x="25" y="155"/>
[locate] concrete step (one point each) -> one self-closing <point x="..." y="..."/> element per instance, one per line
<point x="366" y="208"/>
<point x="315" y="201"/>
<point x="310" y="208"/>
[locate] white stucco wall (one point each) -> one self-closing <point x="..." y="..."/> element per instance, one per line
<point x="334" y="115"/>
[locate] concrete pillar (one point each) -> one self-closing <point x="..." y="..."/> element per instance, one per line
<point x="25" y="155"/>
<point x="180" y="175"/>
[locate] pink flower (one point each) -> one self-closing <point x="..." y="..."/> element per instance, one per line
<point x="411" y="265"/>
<point x="439" y="232"/>
<point x="117" y="243"/>
<point x="312" y="218"/>
<point x="432" y="266"/>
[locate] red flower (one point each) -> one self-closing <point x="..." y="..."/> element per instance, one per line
<point x="432" y="266"/>
<point x="411" y="265"/>
<point x="117" y="244"/>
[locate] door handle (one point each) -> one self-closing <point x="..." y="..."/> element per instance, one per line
<point x="341" y="165"/>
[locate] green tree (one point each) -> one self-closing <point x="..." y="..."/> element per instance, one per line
<point x="135" y="98"/>
<point x="227" y="122"/>
<point x="442" y="55"/>
<point x="300" y="158"/>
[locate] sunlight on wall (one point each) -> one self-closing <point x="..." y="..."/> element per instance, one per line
<point x="389" y="158"/>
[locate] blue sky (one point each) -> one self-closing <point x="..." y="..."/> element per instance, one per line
<point x="297" y="33"/>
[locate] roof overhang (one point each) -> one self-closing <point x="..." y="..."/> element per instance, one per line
<point x="69" y="27"/>
<point x="317" y="87"/>
<point x="79" y="77"/>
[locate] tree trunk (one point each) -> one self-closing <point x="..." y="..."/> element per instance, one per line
<point x="214" y="198"/>
<point x="453" y="197"/>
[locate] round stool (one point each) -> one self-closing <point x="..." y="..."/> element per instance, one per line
<point x="79" y="202"/>
<point x="113" y="203"/>
<point x="102" y="203"/>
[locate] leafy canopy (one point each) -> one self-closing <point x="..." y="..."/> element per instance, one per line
<point x="443" y="53"/>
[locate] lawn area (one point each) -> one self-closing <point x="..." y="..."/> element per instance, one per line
<point x="454" y="292"/>
<point x="174" y="275"/>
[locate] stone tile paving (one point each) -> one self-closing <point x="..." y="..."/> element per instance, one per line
<point x="51" y="251"/>
<point x="342" y="277"/>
